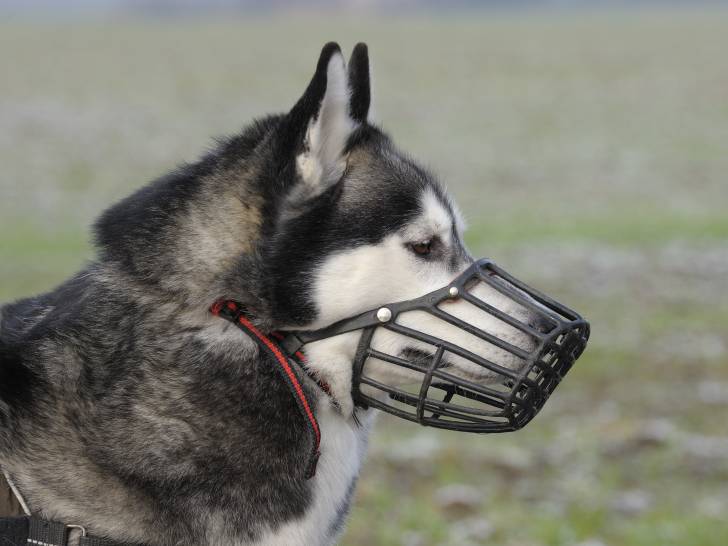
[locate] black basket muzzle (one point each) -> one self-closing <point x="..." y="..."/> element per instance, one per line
<point x="439" y="395"/>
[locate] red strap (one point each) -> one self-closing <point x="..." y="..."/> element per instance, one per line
<point x="264" y="341"/>
<point x="301" y="359"/>
<point x="283" y="361"/>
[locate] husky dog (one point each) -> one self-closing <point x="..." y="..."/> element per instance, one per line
<point x="127" y="407"/>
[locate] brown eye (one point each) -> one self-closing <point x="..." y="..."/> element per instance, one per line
<point x="422" y="248"/>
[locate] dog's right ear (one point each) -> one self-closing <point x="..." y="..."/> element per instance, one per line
<point x="317" y="128"/>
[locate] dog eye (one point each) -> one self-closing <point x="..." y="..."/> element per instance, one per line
<point x="422" y="248"/>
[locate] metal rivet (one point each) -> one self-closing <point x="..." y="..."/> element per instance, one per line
<point x="384" y="314"/>
<point x="453" y="291"/>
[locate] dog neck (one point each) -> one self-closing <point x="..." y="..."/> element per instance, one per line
<point x="331" y="360"/>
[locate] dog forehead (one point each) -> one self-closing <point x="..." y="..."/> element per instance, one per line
<point x="435" y="212"/>
<point x="381" y="178"/>
<point x="418" y="210"/>
<point x="433" y="218"/>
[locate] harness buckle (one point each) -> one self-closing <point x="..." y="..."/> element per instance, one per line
<point x="79" y="527"/>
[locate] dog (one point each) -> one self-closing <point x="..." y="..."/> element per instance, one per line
<point x="129" y="408"/>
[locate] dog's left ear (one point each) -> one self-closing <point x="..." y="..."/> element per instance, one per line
<point x="318" y="127"/>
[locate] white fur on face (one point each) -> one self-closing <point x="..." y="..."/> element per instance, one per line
<point x="367" y="277"/>
<point x="435" y="221"/>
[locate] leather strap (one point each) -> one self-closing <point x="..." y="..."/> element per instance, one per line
<point x="46" y="533"/>
<point x="34" y="531"/>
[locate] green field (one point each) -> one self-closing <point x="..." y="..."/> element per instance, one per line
<point x="589" y="153"/>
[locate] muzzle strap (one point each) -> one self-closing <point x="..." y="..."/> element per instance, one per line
<point x="232" y="311"/>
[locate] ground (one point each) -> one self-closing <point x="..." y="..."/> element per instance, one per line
<point x="589" y="154"/>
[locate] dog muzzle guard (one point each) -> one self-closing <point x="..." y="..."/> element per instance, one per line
<point x="441" y="398"/>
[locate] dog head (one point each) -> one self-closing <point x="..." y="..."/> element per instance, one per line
<point x="307" y="218"/>
<point x="364" y="225"/>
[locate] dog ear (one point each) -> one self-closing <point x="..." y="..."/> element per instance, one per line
<point x="318" y="127"/>
<point x="359" y="83"/>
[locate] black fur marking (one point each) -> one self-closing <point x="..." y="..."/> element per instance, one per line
<point x="17" y="381"/>
<point x="23" y="388"/>
<point x="359" y="83"/>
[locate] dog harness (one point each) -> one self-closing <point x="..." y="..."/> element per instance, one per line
<point x="33" y="531"/>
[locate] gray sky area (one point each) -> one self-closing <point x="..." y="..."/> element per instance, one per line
<point x="70" y="8"/>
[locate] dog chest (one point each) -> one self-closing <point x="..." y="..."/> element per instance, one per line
<point x="343" y="448"/>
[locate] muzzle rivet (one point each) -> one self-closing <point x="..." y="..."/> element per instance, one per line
<point x="453" y="291"/>
<point x="384" y="314"/>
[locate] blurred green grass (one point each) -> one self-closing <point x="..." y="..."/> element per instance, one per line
<point x="589" y="154"/>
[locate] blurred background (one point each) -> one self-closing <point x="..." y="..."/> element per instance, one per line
<point x="587" y="143"/>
